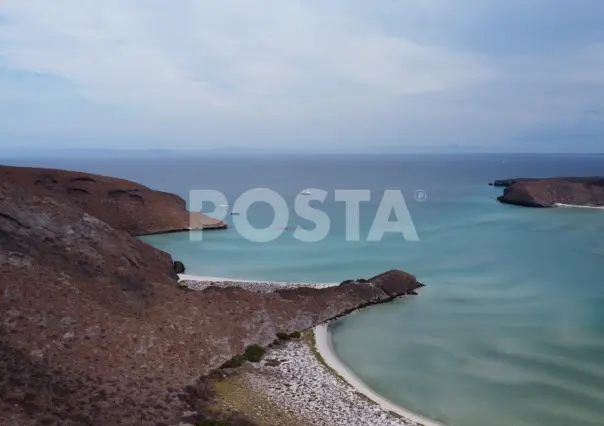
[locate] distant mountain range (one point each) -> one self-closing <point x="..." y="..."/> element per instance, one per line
<point x="252" y="151"/>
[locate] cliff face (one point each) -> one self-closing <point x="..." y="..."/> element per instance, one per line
<point x="122" y="204"/>
<point x="93" y="328"/>
<point x="588" y="191"/>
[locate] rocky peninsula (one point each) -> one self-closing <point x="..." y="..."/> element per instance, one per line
<point x="122" y="204"/>
<point x="552" y="192"/>
<point x="95" y="328"/>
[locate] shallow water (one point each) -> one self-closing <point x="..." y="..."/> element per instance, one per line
<point x="508" y="331"/>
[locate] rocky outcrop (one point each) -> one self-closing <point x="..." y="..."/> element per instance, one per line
<point x="179" y="267"/>
<point x="596" y="180"/>
<point x="507" y="182"/>
<point x="122" y="204"/>
<point x="94" y="329"/>
<point x="579" y="191"/>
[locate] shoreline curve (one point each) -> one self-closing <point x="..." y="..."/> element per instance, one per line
<point x="577" y="206"/>
<point x="325" y="348"/>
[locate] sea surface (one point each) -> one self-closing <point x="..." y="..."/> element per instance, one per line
<point x="510" y="327"/>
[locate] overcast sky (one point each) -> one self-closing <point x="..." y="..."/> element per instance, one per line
<point x="325" y="74"/>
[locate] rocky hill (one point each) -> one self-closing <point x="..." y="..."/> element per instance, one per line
<point x="579" y="191"/>
<point x="94" y="329"/>
<point x="122" y="204"/>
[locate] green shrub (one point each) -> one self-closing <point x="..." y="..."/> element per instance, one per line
<point x="213" y="422"/>
<point x="282" y="336"/>
<point x="254" y="353"/>
<point x="295" y="335"/>
<point x="235" y="362"/>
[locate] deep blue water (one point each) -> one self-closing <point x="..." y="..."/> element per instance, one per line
<point x="508" y="331"/>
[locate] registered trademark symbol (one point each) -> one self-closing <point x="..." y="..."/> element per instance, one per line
<point x="420" y="195"/>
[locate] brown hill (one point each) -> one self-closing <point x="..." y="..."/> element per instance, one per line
<point x="578" y="191"/>
<point x="122" y="204"/>
<point x="94" y="329"/>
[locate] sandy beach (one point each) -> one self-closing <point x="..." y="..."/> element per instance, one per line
<point x="325" y="348"/>
<point x="579" y="207"/>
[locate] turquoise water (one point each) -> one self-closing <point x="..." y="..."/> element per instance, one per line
<point x="508" y="331"/>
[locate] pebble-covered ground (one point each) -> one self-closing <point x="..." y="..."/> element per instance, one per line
<point x="201" y="283"/>
<point x="305" y="386"/>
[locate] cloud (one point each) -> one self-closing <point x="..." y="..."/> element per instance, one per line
<point x="207" y="72"/>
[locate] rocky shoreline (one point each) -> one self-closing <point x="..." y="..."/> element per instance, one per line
<point x="199" y="283"/>
<point x="300" y="387"/>
<point x="552" y="192"/>
<point x="295" y="377"/>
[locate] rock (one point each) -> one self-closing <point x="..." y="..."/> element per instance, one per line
<point x="272" y="362"/>
<point x="578" y="191"/>
<point x="395" y="283"/>
<point x="36" y="354"/>
<point x="179" y="267"/>
<point x="506" y="182"/>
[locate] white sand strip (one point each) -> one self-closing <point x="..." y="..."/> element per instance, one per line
<point x="579" y="207"/>
<point x="200" y="283"/>
<point x="186" y="277"/>
<point x="325" y="348"/>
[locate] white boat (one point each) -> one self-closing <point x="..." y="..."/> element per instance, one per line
<point x="224" y="205"/>
<point x="305" y="193"/>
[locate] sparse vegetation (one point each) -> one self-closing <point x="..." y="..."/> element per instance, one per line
<point x="235" y="394"/>
<point x="183" y="287"/>
<point x="235" y="362"/>
<point x="199" y="393"/>
<point x="254" y="353"/>
<point x="213" y="422"/>
<point x="231" y="420"/>
<point x="282" y="336"/>
<point x="396" y="415"/>
<point x="202" y="399"/>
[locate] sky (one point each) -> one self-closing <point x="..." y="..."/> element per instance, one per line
<point x="514" y="75"/>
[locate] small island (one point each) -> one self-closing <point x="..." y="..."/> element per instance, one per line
<point x="553" y="192"/>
